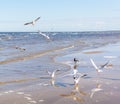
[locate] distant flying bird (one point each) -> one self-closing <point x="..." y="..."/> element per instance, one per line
<point x="95" y="66"/>
<point x="47" y="37"/>
<point x="33" y="22"/>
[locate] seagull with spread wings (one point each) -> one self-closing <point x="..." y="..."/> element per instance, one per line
<point x="95" y="66"/>
<point x="33" y="22"/>
<point x="52" y="74"/>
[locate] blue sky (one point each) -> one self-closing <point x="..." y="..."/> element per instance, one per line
<point x="60" y="15"/>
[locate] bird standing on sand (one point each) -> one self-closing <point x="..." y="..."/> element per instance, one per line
<point x="33" y="22"/>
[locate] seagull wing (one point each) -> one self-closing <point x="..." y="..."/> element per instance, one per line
<point x="102" y="66"/>
<point x="53" y="73"/>
<point x="37" y="19"/>
<point x="78" y="79"/>
<point x="28" y="23"/>
<point x="95" y="66"/>
<point x="49" y="72"/>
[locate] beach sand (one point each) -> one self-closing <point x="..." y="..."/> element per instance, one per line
<point x="30" y="84"/>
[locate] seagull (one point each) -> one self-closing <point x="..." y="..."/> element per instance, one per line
<point x="52" y="74"/>
<point x="76" y="80"/>
<point x="47" y="37"/>
<point x="95" y="66"/>
<point x="33" y="22"/>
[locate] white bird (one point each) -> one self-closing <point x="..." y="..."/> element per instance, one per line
<point x="33" y="22"/>
<point x="95" y="66"/>
<point x="76" y="80"/>
<point x="43" y="34"/>
<point x="52" y="74"/>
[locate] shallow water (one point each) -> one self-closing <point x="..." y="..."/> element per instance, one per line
<point x="22" y="68"/>
<point x="16" y="63"/>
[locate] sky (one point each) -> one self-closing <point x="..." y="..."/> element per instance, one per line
<point x="60" y="15"/>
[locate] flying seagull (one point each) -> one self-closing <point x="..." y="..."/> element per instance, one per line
<point x="33" y="22"/>
<point x="47" y="37"/>
<point x="76" y="80"/>
<point x="52" y="74"/>
<point x="95" y="66"/>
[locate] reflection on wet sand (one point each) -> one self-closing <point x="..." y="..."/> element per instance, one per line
<point x="96" y="89"/>
<point x="77" y="89"/>
<point x="76" y="94"/>
<point x="52" y="81"/>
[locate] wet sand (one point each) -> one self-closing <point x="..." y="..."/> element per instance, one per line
<point x="39" y="88"/>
